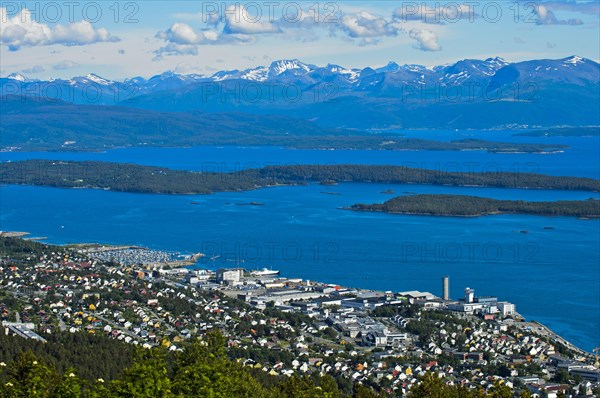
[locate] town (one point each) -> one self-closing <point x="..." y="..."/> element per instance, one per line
<point x="285" y="326"/>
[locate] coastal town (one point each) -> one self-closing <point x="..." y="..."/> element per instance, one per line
<point x="287" y="326"/>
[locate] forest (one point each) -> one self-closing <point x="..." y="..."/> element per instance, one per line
<point x="149" y="179"/>
<point x="462" y="205"/>
<point x="202" y="369"/>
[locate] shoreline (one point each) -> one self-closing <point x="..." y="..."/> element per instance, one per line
<point x="583" y="218"/>
<point x="193" y="261"/>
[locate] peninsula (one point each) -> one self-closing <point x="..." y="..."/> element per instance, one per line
<point x="150" y="179"/>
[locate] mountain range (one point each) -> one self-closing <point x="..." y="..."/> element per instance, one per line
<point x="469" y="94"/>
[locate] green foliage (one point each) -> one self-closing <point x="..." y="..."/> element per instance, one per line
<point x="526" y="393"/>
<point x="304" y="387"/>
<point x="149" y="179"/>
<point x="93" y="356"/>
<point x="500" y="391"/>
<point x="146" y="378"/>
<point x="28" y="377"/>
<point x="561" y="376"/>
<point x="20" y="249"/>
<point x="461" y="205"/>
<point x="430" y="386"/>
<point x="201" y="370"/>
<point x="70" y="386"/>
<point x="361" y="391"/>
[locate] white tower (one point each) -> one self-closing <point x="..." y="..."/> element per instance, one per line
<point x="446" y="288"/>
<point x="469" y="295"/>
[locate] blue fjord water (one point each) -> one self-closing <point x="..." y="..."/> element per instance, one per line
<point x="552" y="275"/>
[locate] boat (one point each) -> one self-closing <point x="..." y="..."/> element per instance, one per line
<point x="265" y="272"/>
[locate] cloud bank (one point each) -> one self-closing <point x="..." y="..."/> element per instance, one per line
<point x="21" y="30"/>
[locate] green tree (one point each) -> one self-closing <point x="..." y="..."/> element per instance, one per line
<point x="329" y="387"/>
<point x="146" y="378"/>
<point x="28" y="377"/>
<point x="526" y="393"/>
<point x="500" y="390"/>
<point x="203" y="370"/>
<point x="70" y="386"/>
<point x="430" y="386"/>
<point x="561" y="376"/>
<point x="360" y="391"/>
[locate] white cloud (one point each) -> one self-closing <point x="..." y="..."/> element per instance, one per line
<point x="426" y="40"/>
<point x="239" y="20"/>
<point x="176" y="49"/>
<point x="546" y="17"/>
<point x="66" y="64"/>
<point x="585" y="7"/>
<point x="33" y="70"/>
<point x="185" y="68"/>
<point x="182" y="39"/>
<point x="181" y="33"/>
<point x="364" y="24"/>
<point x="367" y="27"/>
<point x="237" y="25"/>
<point x="22" y="30"/>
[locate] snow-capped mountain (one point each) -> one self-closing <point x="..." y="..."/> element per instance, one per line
<point x="17" y="77"/>
<point x="498" y="92"/>
<point x="289" y="67"/>
<point x="572" y="69"/>
<point x="91" y="79"/>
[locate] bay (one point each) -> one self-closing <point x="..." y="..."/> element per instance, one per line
<point x="552" y="275"/>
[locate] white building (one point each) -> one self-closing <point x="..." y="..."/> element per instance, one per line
<point x="230" y="274"/>
<point x="506" y="308"/>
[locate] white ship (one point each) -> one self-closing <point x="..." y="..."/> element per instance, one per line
<point x="264" y="272"/>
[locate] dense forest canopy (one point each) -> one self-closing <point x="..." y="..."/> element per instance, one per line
<point x="150" y="179"/>
<point x="202" y="369"/>
<point x="462" y="205"/>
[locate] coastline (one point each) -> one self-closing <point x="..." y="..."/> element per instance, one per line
<point x="519" y="319"/>
<point x="585" y="218"/>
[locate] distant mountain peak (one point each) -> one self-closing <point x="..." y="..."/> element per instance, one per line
<point x="574" y="60"/>
<point x="390" y="67"/>
<point x="93" y="78"/>
<point x="17" y="76"/>
<point x="168" y="73"/>
<point x="335" y="68"/>
<point x="284" y="65"/>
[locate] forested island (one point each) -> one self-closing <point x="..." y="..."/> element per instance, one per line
<point x="471" y="206"/>
<point x="150" y="179"/>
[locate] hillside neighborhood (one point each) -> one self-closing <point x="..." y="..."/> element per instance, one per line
<point x="285" y="326"/>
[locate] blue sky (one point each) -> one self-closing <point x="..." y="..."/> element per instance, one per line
<point x="119" y="39"/>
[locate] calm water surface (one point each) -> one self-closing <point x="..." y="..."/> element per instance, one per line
<point x="552" y="275"/>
